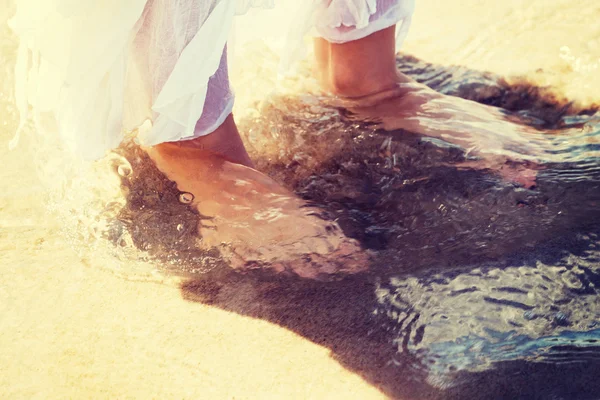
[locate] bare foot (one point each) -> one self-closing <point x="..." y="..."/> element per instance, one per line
<point x="490" y="140"/>
<point x="253" y="220"/>
<point x="362" y="75"/>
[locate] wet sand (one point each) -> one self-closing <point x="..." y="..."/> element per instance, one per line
<point x="555" y="43"/>
<point x="69" y="329"/>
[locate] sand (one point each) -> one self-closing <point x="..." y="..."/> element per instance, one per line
<point x="71" y="330"/>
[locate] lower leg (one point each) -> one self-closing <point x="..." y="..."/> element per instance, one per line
<point x="360" y="67"/>
<point x="254" y="221"/>
<point x="225" y="142"/>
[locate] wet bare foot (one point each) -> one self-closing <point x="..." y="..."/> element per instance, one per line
<point x="362" y="75"/>
<point x="490" y="140"/>
<point x="253" y="220"/>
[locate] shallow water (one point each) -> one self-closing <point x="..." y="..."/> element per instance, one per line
<point x="478" y="287"/>
<point x="476" y="278"/>
<point x="472" y="272"/>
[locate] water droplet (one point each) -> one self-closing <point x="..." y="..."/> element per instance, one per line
<point x="186" y="198"/>
<point x="179" y="227"/>
<point x="124" y="170"/>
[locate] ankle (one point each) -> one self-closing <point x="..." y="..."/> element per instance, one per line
<point x="224" y="142"/>
<point x="344" y="83"/>
<point x="358" y="68"/>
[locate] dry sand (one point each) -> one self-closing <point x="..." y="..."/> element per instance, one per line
<point x="71" y="330"/>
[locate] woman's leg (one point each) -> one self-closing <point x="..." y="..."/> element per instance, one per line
<point x="252" y="218"/>
<point x="355" y="52"/>
<point x="177" y="45"/>
<point x="363" y="74"/>
<point x="359" y="67"/>
<point x="224" y="140"/>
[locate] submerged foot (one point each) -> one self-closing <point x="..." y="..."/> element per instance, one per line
<point x="254" y="221"/>
<point x="490" y="140"/>
<point x="363" y="76"/>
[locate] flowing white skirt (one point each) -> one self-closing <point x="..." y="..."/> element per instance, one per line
<point x="102" y="68"/>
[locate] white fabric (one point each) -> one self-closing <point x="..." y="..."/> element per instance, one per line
<point x="341" y="21"/>
<point x="101" y="68"/>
